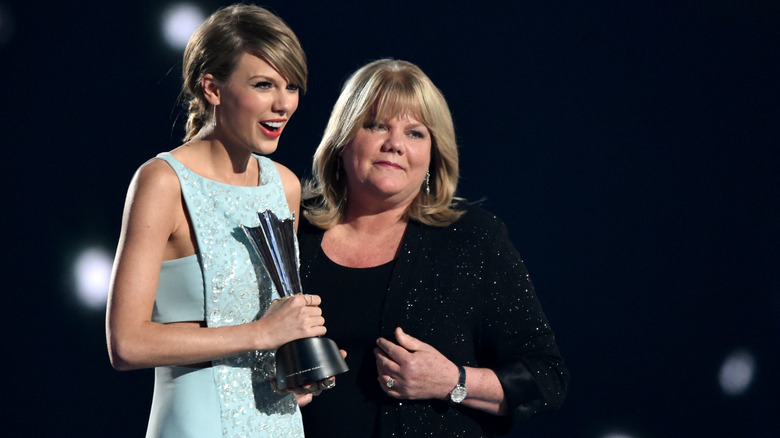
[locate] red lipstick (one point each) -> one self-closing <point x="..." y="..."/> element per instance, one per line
<point x="272" y="128"/>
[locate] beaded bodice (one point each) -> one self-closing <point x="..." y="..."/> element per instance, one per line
<point x="238" y="290"/>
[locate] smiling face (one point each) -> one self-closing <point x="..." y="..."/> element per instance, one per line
<point x="255" y="104"/>
<point x="387" y="160"/>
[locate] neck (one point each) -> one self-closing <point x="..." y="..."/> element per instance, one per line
<point x="367" y="216"/>
<point x="223" y="163"/>
<point x="364" y="239"/>
<point x="375" y="224"/>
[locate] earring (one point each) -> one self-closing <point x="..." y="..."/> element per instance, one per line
<point x="428" y="183"/>
<point x="214" y="116"/>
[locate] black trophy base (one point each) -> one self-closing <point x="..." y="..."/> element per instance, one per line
<point x="307" y="360"/>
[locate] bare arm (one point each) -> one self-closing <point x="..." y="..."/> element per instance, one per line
<point x="153" y="229"/>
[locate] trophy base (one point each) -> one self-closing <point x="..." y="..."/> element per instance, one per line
<point x="308" y="360"/>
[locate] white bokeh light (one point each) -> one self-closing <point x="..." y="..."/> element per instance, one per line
<point x="617" y="435"/>
<point x="92" y="273"/>
<point x="179" y="21"/>
<point x="737" y="372"/>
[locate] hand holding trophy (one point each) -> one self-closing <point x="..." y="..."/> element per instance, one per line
<point x="302" y="361"/>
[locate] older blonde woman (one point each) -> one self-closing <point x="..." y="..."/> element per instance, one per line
<point x="427" y="294"/>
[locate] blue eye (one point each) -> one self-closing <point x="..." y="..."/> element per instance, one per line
<point x="294" y="88"/>
<point x="263" y="84"/>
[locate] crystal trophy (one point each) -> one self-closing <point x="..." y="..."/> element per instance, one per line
<point x="302" y="361"/>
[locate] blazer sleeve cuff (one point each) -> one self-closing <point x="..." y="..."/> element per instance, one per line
<point x="520" y="388"/>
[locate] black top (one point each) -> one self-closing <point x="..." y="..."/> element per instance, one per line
<point x="357" y="394"/>
<point x="462" y="289"/>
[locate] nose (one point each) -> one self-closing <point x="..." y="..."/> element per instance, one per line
<point x="394" y="142"/>
<point x="285" y="102"/>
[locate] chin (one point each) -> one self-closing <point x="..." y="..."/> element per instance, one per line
<point x="387" y="193"/>
<point x="266" y="148"/>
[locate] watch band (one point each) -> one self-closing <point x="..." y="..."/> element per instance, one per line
<point x="459" y="393"/>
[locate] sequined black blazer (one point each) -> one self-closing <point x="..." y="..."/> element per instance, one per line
<point x="464" y="290"/>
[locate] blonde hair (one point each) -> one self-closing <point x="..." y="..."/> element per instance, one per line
<point x="383" y="89"/>
<point x="217" y="45"/>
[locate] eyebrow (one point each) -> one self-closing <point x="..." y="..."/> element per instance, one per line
<point x="275" y="80"/>
<point x="385" y="119"/>
<point x="260" y="76"/>
<point x="417" y="125"/>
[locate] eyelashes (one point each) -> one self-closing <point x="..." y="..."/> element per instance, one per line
<point x="267" y="85"/>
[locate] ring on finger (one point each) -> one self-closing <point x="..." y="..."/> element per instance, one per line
<point x="308" y="299"/>
<point x="328" y="383"/>
<point x="390" y="382"/>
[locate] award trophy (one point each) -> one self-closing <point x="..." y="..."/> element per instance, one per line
<point x="302" y="361"/>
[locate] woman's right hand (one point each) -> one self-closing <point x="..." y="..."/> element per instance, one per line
<point x="291" y="318"/>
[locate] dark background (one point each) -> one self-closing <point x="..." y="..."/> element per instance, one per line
<point x="631" y="147"/>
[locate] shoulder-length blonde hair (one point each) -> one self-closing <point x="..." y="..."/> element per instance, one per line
<point x="217" y="45"/>
<point x="384" y="89"/>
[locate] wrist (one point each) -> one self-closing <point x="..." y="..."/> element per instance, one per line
<point x="449" y="383"/>
<point x="258" y="336"/>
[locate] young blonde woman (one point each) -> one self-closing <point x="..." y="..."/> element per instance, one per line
<point x="187" y="297"/>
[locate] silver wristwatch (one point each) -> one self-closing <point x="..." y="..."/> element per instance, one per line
<point x="459" y="393"/>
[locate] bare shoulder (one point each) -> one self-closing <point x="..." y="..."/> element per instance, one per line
<point x="154" y="192"/>
<point x="157" y="176"/>
<point x="292" y="190"/>
<point x="287" y="175"/>
<point x="290" y="181"/>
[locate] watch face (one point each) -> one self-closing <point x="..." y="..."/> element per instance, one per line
<point x="458" y="394"/>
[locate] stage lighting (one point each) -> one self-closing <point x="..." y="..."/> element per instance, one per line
<point x="179" y="21"/>
<point x="92" y="272"/>
<point x="737" y="372"/>
<point x="617" y="435"/>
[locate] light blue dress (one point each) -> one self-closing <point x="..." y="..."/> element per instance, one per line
<point x="223" y="284"/>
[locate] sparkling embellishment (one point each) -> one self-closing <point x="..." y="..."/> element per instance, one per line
<point x="465" y="291"/>
<point x="237" y="292"/>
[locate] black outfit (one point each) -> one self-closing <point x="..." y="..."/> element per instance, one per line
<point x="464" y="290"/>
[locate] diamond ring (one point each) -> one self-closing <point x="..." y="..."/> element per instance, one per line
<point x="328" y="383"/>
<point x="390" y="382"/>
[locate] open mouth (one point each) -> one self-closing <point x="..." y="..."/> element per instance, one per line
<point x="272" y="126"/>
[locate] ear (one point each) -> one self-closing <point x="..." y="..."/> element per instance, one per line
<point x="210" y="88"/>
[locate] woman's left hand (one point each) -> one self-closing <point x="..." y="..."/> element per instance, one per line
<point x="418" y="371"/>
<point x="305" y="394"/>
